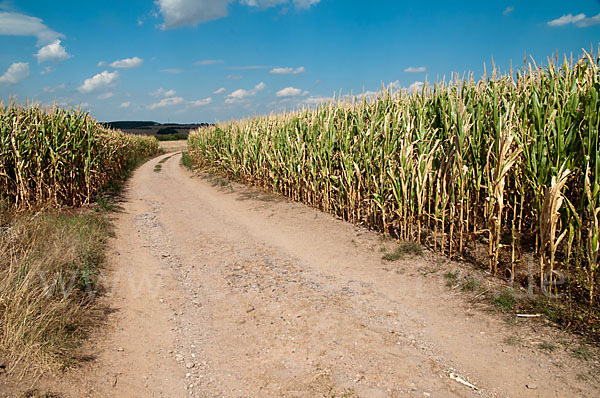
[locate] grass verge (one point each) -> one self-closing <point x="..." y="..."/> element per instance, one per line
<point x="49" y="268"/>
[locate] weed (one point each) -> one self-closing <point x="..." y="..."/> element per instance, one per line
<point x="187" y="161"/>
<point x="451" y="278"/>
<point x="470" y="284"/>
<point x="582" y="352"/>
<point x="547" y="346"/>
<point x="157" y="168"/>
<point x="403" y="249"/>
<point x="505" y="301"/>
<point x="512" y="340"/>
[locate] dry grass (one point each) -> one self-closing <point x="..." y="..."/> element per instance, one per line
<point x="48" y="267"/>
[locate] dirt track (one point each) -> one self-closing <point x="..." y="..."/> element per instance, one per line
<point x="223" y="291"/>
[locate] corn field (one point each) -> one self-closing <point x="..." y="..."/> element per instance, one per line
<point x="61" y="157"/>
<point x="507" y="166"/>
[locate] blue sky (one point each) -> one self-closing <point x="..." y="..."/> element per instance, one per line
<point x="216" y="60"/>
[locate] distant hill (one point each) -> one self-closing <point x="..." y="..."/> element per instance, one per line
<point x="129" y="124"/>
<point x="153" y="128"/>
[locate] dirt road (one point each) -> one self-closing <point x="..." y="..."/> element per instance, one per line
<point x="221" y="291"/>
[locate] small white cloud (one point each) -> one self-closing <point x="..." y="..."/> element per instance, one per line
<point x="52" y="52"/>
<point x="415" y="69"/>
<point x="567" y="19"/>
<point x="101" y="64"/>
<point x="287" y="71"/>
<point x="172" y="71"/>
<point x="14" y="24"/>
<point x="178" y="13"/>
<point x="580" y="20"/>
<point x="99" y="81"/>
<point x="51" y="89"/>
<point x="416" y="86"/>
<point x="234" y="77"/>
<point x="125" y="104"/>
<point x="167" y="102"/>
<point x="105" y="96"/>
<point x="47" y="69"/>
<point x="134" y="62"/>
<point x="263" y="3"/>
<point x="289" y="92"/>
<point x="219" y="91"/>
<point x="239" y="95"/>
<point x="317" y="100"/>
<point x="161" y="92"/>
<point x="15" y="73"/>
<point x="205" y="62"/>
<point x="305" y="3"/>
<point x="508" y="10"/>
<point x="202" y="102"/>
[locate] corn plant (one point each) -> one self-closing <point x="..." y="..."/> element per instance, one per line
<point x="510" y="159"/>
<point x="61" y="157"/>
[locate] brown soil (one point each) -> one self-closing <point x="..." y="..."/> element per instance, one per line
<point x="223" y="291"/>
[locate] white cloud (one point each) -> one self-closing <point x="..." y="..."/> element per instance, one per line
<point x="105" y="96"/>
<point x="172" y="71"/>
<point x="14" y="24"/>
<point x="415" y="69"/>
<point x="508" y="10"/>
<point x="205" y="62"/>
<point x="219" y="91"/>
<point x="263" y="3"/>
<point x="234" y="77"/>
<point x="47" y="69"/>
<point x="99" y="81"/>
<point x="161" y="92"/>
<point x="101" y="64"/>
<point x="289" y="92"/>
<point x="202" y="102"/>
<point x="128" y="63"/>
<point x="167" y="102"/>
<point x="416" y="86"/>
<point x="305" y="3"/>
<point x="15" y="73"/>
<point x="239" y="95"/>
<point x="287" y="71"/>
<point x="52" y="52"/>
<point x="51" y="89"/>
<point x="177" y="13"/>
<point x="317" y="100"/>
<point x="125" y="104"/>
<point x="580" y="20"/>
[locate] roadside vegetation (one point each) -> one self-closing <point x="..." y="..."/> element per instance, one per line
<point x="503" y="172"/>
<point x="172" y="137"/>
<point x="54" y="164"/>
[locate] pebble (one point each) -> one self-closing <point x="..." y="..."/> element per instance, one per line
<point x="531" y="386"/>
<point x="190" y="365"/>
